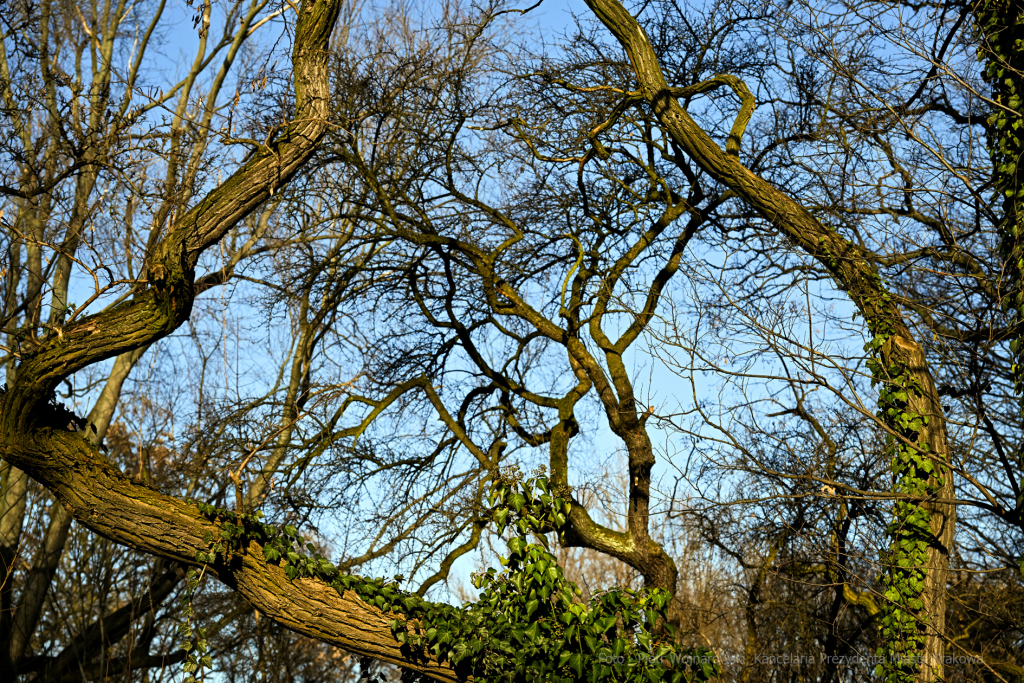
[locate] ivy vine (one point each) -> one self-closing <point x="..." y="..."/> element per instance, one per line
<point x="1000" y="25"/>
<point x="529" y="623"/>
<point x="197" y="649"/>
<point x="903" y="622"/>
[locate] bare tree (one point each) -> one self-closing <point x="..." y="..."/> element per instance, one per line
<point x="101" y="161"/>
<point x="488" y="238"/>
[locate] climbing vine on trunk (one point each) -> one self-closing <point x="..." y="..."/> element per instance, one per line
<point x="904" y="622"/>
<point x="528" y="624"/>
<point x="1000" y="24"/>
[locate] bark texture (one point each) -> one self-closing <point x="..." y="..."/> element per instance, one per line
<point x="34" y="440"/>
<point x="851" y="271"/>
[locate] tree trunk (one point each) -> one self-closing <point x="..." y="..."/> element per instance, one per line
<point x="34" y="433"/>
<point x="900" y="360"/>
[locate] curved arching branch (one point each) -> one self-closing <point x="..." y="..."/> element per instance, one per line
<point x="100" y="496"/>
<point x="852" y="271"/>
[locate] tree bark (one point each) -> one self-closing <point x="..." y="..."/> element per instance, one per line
<point x="851" y="271"/>
<point x="103" y="498"/>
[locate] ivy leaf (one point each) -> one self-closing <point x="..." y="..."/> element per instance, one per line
<point x="576" y="663"/>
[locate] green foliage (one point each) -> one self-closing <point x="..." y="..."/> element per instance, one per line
<point x="197" y="657"/>
<point x="903" y="622"/>
<point x="1000" y="25"/>
<point x="528" y="624"/>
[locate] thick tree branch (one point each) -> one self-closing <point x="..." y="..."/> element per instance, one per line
<point x="853" y="272"/>
<point x="103" y="498"/>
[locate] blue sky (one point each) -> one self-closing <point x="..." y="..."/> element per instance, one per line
<point x="656" y="384"/>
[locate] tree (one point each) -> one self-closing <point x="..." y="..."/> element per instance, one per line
<point x="528" y="234"/>
<point x="90" y="160"/>
<point x="959" y="222"/>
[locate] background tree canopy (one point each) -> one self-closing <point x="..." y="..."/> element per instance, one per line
<point x="294" y="293"/>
